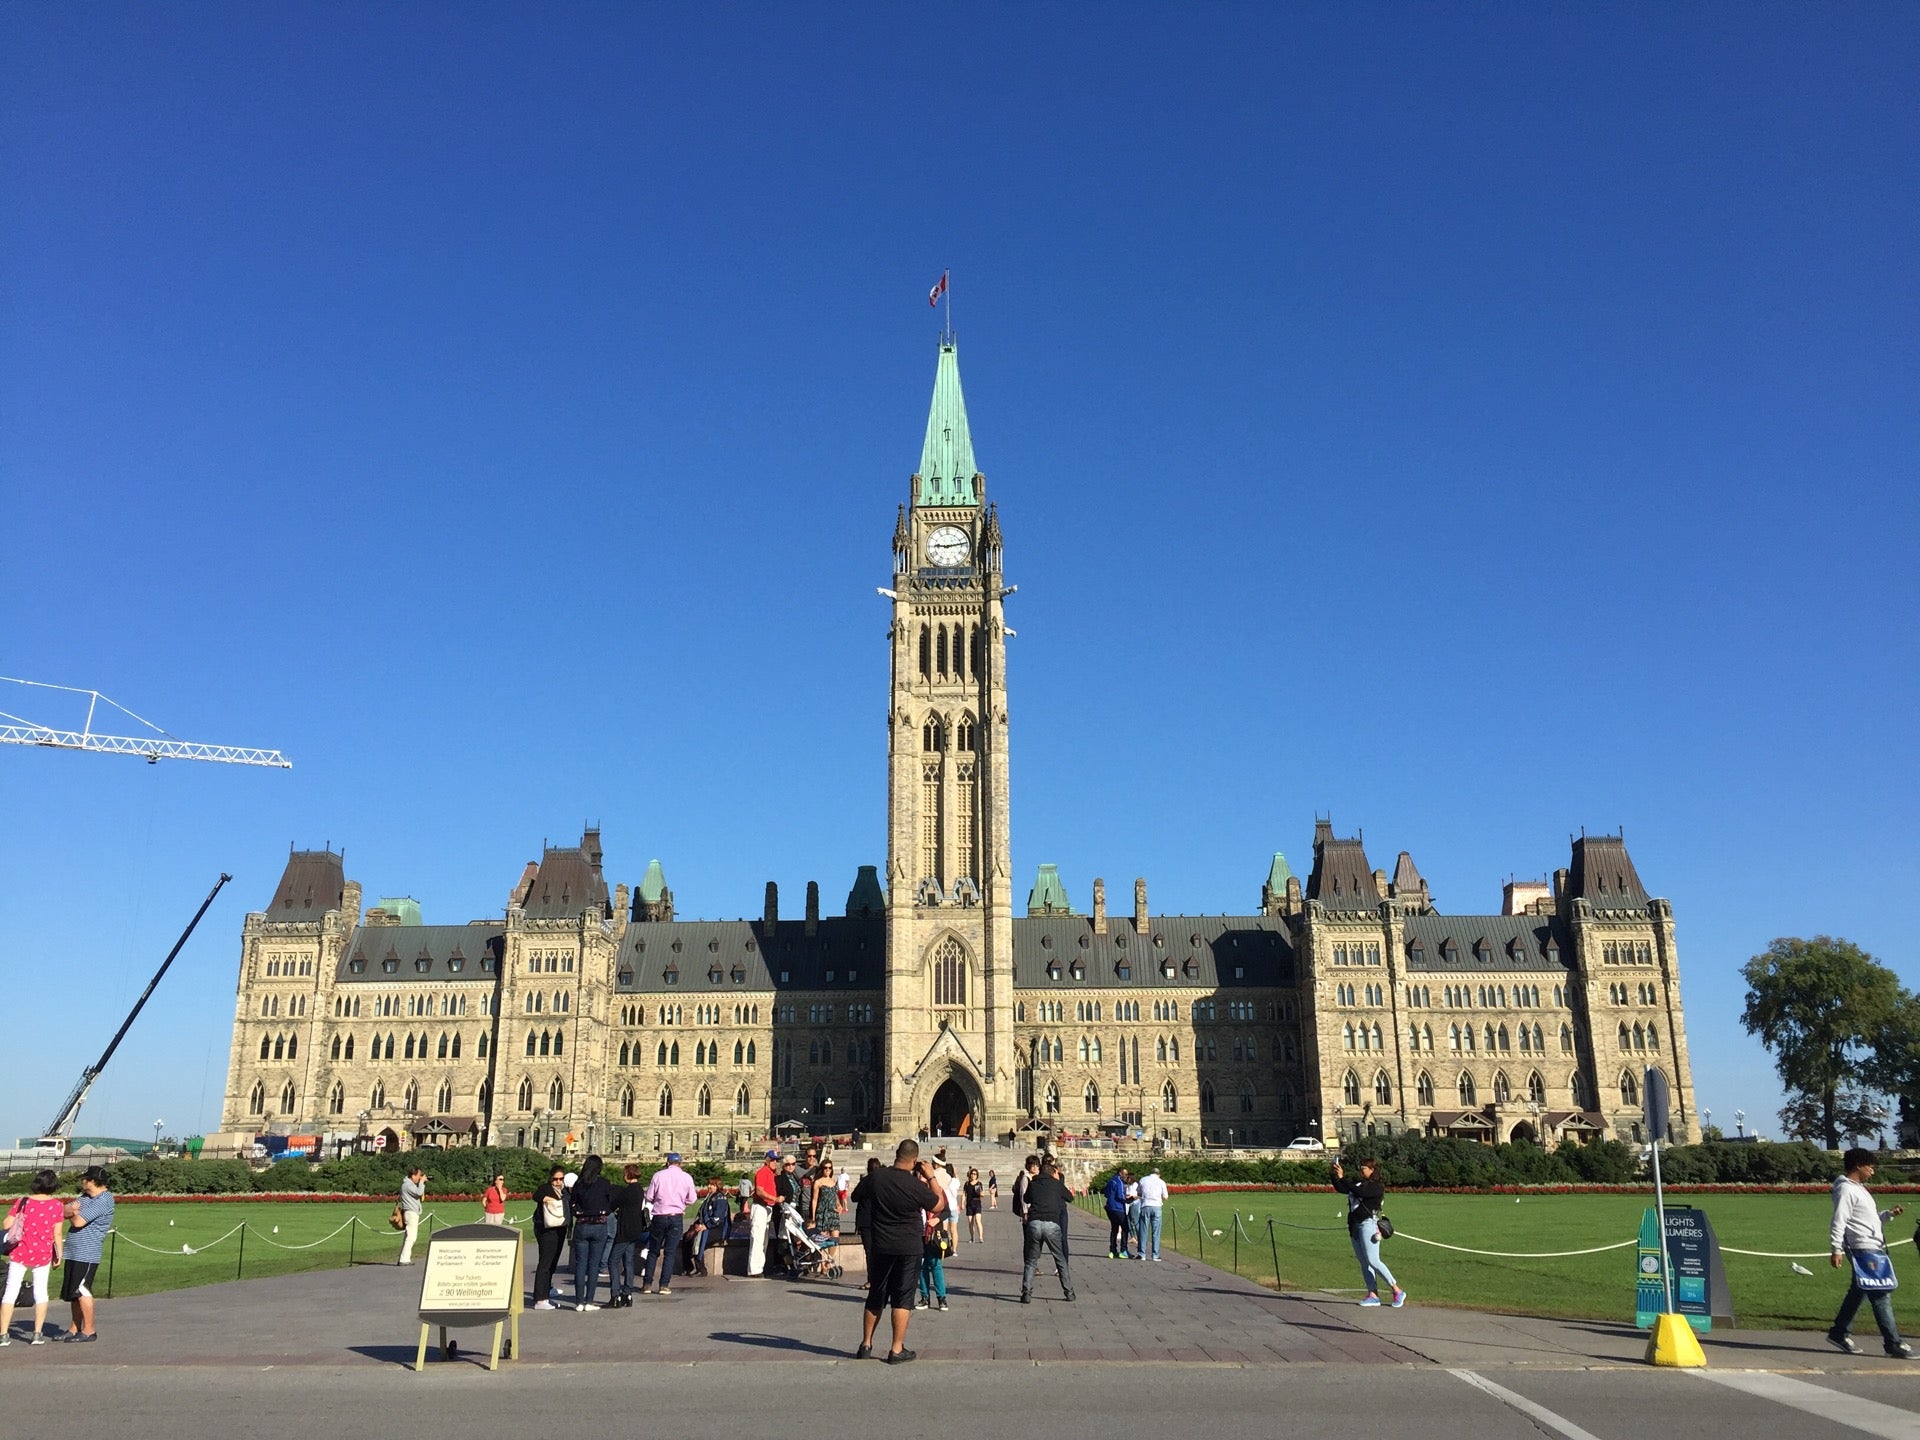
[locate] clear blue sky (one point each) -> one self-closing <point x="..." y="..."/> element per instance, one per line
<point x="1477" y="422"/>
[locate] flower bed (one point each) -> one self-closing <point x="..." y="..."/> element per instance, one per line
<point x="1641" y="1188"/>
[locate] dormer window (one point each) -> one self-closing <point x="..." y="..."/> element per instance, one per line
<point x="1191" y="969"/>
<point x="1166" y="969"/>
<point x="1046" y="942"/>
<point x="423" y="965"/>
<point x="486" y="964"/>
<point x="677" y="947"/>
<point x="358" y="965"/>
<point x="626" y="975"/>
<point x="1123" y="971"/>
<point x="390" y="965"/>
<point x="1078" y="971"/>
<point x="671" y="975"/>
<point x="713" y="947"/>
<point x="1053" y="969"/>
<point x="1449" y="952"/>
<point x="1482" y="951"/>
<point x="739" y="973"/>
<point x="455" y="965"/>
<point x="1416" y="952"/>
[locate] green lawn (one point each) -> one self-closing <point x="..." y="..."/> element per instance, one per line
<point x="146" y="1254"/>
<point x="1767" y="1294"/>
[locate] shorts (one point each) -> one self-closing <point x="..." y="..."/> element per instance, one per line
<point x="76" y="1279"/>
<point x="892" y="1280"/>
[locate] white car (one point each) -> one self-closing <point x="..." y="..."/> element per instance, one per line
<point x="1306" y="1143"/>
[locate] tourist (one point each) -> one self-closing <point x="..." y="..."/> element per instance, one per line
<point x="1857" y="1239"/>
<point x="809" y="1171"/>
<point x="766" y="1194"/>
<point x="670" y="1193"/>
<point x="1153" y="1200"/>
<point x="710" y="1227"/>
<point x="973" y="1190"/>
<point x="937" y="1244"/>
<point x="863" y="1218"/>
<point x="993" y="1190"/>
<point x="549" y="1234"/>
<point x="37" y="1253"/>
<point x="413" y="1194"/>
<point x="89" y="1218"/>
<point x="950" y="1184"/>
<point x="592" y="1232"/>
<point x="826" y="1201"/>
<point x="1116" y="1197"/>
<point x="898" y="1197"/>
<point x="629" y="1229"/>
<point x="1133" y="1220"/>
<point x="1363" y="1229"/>
<point x="493" y="1202"/>
<point x="1046" y="1198"/>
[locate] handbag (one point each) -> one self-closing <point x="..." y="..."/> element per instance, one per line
<point x="16" y="1230"/>
<point x="1873" y="1271"/>
<point x="397" y="1220"/>
<point x="1385" y="1226"/>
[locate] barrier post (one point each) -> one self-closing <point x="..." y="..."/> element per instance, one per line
<point x="1274" y="1241"/>
<point x="1236" y="1242"/>
<point x="1200" y="1229"/>
<point x="353" y="1233"/>
<point x="240" y="1266"/>
<point x="113" y="1249"/>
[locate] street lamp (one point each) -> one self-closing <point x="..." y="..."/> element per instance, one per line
<point x="593" y="1119"/>
<point x="1706" y="1119"/>
<point x="157" y="1126"/>
<point x="1740" y="1122"/>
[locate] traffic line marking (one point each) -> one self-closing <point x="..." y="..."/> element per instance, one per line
<point x="1853" y="1411"/>
<point x="1539" y="1414"/>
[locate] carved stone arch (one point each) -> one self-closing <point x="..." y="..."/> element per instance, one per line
<point x="951" y="971"/>
<point x="932" y="1084"/>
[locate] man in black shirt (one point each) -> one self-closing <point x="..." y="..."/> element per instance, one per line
<point x="895" y="1199"/>
<point x="1047" y="1198"/>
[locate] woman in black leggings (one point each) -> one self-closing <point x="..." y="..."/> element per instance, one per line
<point x="549" y="1234"/>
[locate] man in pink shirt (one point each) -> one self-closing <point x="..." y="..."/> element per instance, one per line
<point x="669" y="1193"/>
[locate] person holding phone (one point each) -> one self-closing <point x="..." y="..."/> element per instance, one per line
<point x="1364" y="1197"/>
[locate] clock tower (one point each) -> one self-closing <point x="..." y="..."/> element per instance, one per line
<point x="949" y="991"/>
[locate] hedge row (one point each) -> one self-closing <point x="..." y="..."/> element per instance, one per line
<point x="1415" y="1162"/>
<point x="458" y="1171"/>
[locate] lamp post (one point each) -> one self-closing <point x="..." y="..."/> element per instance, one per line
<point x="157" y="1127"/>
<point x="1706" y="1120"/>
<point x="1740" y="1122"/>
<point x="593" y="1119"/>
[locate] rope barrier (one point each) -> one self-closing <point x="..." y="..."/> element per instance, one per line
<point x="352" y="1220"/>
<point x="1513" y="1254"/>
<point x="196" y="1250"/>
<point x="1785" y="1255"/>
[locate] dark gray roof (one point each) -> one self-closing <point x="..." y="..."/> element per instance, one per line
<point x="1603" y="874"/>
<point x="708" y="956"/>
<point x="1205" y="952"/>
<point x="570" y="883"/>
<point x="1508" y="942"/>
<point x="406" y="946"/>
<point x="314" y="882"/>
<point x="1341" y="878"/>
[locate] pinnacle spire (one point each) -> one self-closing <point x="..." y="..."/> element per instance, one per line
<point x="947" y="475"/>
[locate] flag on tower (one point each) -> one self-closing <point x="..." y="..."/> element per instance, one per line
<point x="933" y="295"/>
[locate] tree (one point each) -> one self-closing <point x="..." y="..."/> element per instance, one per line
<point x="1895" y="1067"/>
<point x="1821" y="1006"/>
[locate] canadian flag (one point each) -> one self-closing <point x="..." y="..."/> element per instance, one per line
<point x="933" y="295"/>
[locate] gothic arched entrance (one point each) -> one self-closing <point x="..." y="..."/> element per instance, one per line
<point x="951" y="1112"/>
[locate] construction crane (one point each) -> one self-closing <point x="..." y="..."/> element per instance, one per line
<point x="15" y="730"/>
<point x="53" y="1140"/>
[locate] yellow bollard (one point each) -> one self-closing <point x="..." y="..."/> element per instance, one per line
<point x="1674" y="1343"/>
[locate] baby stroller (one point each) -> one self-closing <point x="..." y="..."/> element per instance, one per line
<point x="808" y="1256"/>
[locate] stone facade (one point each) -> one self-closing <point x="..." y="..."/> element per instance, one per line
<point x="590" y="1017"/>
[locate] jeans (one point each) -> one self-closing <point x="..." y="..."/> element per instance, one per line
<point x="548" y="1243"/>
<point x="1882" y="1302"/>
<point x="1133" y="1225"/>
<point x="1150" y="1231"/>
<point x="1366" y="1249"/>
<point x="933" y="1277"/>
<point x="1116" y="1232"/>
<point x="665" y="1254"/>
<point x="590" y="1244"/>
<point x="620" y="1268"/>
<point x="1044" y="1235"/>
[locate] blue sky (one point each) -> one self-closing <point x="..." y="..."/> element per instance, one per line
<point x="1476" y="422"/>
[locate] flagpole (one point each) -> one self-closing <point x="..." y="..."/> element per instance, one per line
<point x="947" y="294"/>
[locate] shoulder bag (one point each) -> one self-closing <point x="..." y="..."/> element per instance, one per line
<point x="1873" y="1271"/>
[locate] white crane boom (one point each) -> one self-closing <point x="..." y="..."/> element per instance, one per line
<point x="17" y="730"/>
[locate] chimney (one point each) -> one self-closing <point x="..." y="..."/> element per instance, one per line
<point x="1099" y="907"/>
<point x="773" y="904"/>
<point x="1560" y="878"/>
<point x="813" y="907"/>
<point x="590" y="843"/>
<point x="1140" y="921"/>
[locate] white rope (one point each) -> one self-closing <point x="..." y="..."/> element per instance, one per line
<point x="1785" y="1255"/>
<point x="1514" y="1254"/>
<point x="268" y="1239"/>
<point x="196" y="1250"/>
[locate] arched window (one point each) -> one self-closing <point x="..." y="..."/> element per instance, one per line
<point x="546" y="1042"/>
<point x="556" y="1095"/>
<point x="703" y="1102"/>
<point x="742" y="1103"/>
<point x="1160" y="1050"/>
<point x="940" y="651"/>
<point x="1629" y="1088"/>
<point x="1096" y="1049"/>
<point x="750" y="1053"/>
<point x="483" y="1097"/>
<point x="813" y="1052"/>
<point x="1091" y="1096"/>
<point x="1086" y="1050"/>
<point x="1169" y="1098"/>
<point x="673" y="1053"/>
<point x="1502" y="1091"/>
<point x="257" y="1099"/>
<point x="266" y="1047"/>
<point x="411" y="1099"/>
<point x="926" y="653"/>
<point x="626" y="1101"/>
<point x="1506" y="1045"/>
<point x="739" y="1052"/>
<point x="666" y="1101"/>
<point x="1207" y="1098"/>
<point x="1653" y="1039"/>
<point x="1346" y="1036"/>
<point x="1246" y="1097"/>
<point x="526" y="1094"/>
<point x="348" y="1054"/>
<point x="1350" y="1088"/>
<point x="1466" y="1090"/>
<point x="1536" y="1089"/>
<point x="1382" y="1089"/>
<point x="337" y="1099"/>
<point x="1453" y="1037"/>
<point x="949" y="973"/>
<point x="377" y="1100"/>
<point x="441" y="1051"/>
<point x="443" y="1101"/>
<point x="660" y="1053"/>
<point x="533" y="1044"/>
<point x="1423" y="1088"/>
<point x="1053" y="1098"/>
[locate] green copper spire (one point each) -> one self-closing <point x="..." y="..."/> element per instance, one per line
<point x="1278" y="876"/>
<point x="947" y="474"/>
<point x="1048" y="896"/>
<point x="653" y="885"/>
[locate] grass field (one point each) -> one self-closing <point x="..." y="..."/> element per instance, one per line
<point x="1767" y="1293"/>
<point x="146" y="1253"/>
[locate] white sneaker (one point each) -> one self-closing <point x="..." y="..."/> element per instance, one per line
<point x="545" y="1305"/>
<point x="586" y="1307"/>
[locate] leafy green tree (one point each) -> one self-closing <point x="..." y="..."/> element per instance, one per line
<point x="1821" y="1006"/>
<point x="1895" y="1067"/>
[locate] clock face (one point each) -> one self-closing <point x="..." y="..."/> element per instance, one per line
<point x="948" y="546"/>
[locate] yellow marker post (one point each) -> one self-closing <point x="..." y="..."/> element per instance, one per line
<point x="1672" y="1341"/>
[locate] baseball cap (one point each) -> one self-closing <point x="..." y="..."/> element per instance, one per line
<point x="773" y="1154"/>
<point x="673" y="1157"/>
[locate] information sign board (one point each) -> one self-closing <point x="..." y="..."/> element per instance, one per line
<point x="1693" y="1257"/>
<point x="472" y="1277"/>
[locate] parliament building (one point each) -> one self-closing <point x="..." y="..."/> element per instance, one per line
<point x="594" y="1015"/>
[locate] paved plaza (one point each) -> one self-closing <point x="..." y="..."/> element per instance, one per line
<point x="1143" y="1347"/>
